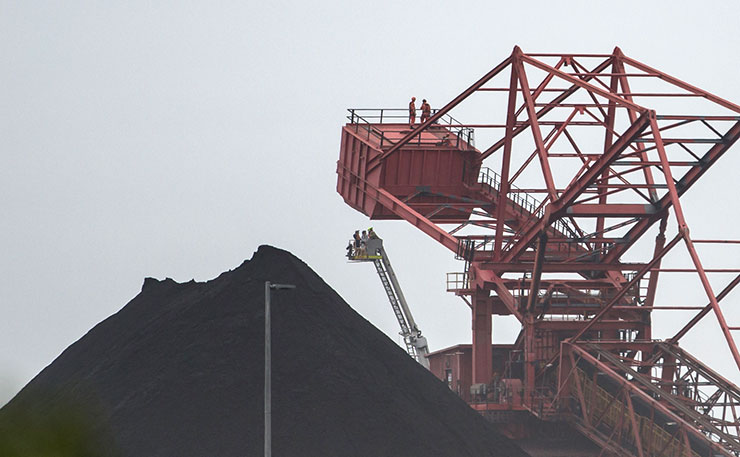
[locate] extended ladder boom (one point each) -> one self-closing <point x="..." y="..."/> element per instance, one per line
<point x="416" y="344"/>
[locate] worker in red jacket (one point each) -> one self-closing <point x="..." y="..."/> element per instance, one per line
<point x="412" y="111"/>
<point x="426" y="111"/>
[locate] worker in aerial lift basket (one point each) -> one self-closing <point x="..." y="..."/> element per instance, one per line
<point x="363" y="244"/>
<point x="358" y="242"/>
<point x="373" y="244"/>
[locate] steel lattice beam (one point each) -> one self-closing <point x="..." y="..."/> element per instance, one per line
<point x="586" y="167"/>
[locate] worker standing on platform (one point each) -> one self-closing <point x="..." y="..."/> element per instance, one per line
<point x="426" y="111"/>
<point x="350" y="249"/>
<point x="363" y="243"/>
<point x="412" y="111"/>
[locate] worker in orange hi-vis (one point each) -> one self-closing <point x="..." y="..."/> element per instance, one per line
<point x="412" y="111"/>
<point x="426" y="111"/>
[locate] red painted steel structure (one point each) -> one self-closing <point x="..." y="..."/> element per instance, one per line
<point x="587" y="171"/>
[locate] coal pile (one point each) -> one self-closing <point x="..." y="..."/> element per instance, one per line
<point x="179" y="372"/>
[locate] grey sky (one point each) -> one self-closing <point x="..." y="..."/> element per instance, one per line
<point x="171" y="138"/>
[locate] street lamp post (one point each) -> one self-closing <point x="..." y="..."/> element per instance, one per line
<point x="268" y="365"/>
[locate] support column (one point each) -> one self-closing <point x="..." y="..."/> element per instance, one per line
<point x="482" y="332"/>
<point x="647" y="332"/>
<point x="668" y="372"/>
<point x="530" y="359"/>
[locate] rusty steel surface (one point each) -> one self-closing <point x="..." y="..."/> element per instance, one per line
<point x="545" y="197"/>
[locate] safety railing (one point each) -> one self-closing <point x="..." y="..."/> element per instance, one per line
<point x="528" y="207"/>
<point x="671" y="404"/>
<point x="704" y="390"/>
<point x="639" y="290"/>
<point x="525" y="203"/>
<point x="467" y="247"/>
<point x="368" y="117"/>
<point x="362" y="123"/>
<point x="540" y="402"/>
<point x="612" y="413"/>
<point x="457" y="281"/>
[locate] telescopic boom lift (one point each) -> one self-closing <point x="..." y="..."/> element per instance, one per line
<point x="416" y="344"/>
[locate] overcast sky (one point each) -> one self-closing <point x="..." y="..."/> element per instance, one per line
<point x="172" y="138"/>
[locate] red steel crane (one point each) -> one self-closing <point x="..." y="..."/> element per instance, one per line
<point x="563" y="199"/>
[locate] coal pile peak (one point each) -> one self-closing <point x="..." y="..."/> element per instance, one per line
<point x="179" y="371"/>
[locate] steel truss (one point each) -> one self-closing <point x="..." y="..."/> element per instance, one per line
<point x="585" y="169"/>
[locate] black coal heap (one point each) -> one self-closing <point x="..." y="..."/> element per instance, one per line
<point x="179" y="372"/>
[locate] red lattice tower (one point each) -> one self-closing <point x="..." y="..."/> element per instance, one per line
<point x="585" y="169"/>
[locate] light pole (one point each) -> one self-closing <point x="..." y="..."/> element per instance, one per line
<point x="268" y="365"/>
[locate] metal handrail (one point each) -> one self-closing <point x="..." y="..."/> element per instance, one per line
<point x="375" y="116"/>
<point x="529" y="203"/>
<point x="457" y="280"/>
<point x="526" y="203"/>
<point x="676" y="406"/>
<point x="357" y="120"/>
